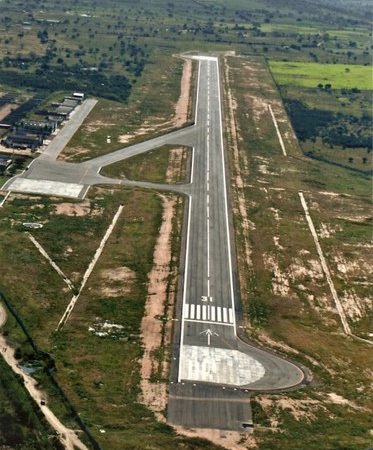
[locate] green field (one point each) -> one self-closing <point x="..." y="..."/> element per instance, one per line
<point x="340" y="76"/>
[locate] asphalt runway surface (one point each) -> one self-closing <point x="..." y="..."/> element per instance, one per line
<point x="212" y="369"/>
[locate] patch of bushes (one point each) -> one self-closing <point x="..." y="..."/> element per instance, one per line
<point x="113" y="87"/>
<point x="335" y="129"/>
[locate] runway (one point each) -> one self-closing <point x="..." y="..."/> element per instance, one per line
<point x="212" y="369"/>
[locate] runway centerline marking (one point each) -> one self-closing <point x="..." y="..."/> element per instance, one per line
<point x="205" y="313"/>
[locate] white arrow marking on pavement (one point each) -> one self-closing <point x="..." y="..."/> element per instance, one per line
<point x="209" y="333"/>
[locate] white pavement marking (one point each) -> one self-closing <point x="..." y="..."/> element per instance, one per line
<point x="192" y="168"/>
<point x="198" y="315"/>
<point x="47" y="187"/>
<point x="208" y="313"/>
<point x="207" y="198"/>
<point x="324" y="266"/>
<point x="209" y="333"/>
<point x="220" y="365"/>
<point x="278" y="131"/>
<point x="4" y="199"/>
<point x="186" y="310"/>
<point x="225" y="315"/>
<point x="225" y="197"/>
<point x="209" y="321"/>
<point x="212" y="314"/>
<point x="218" y="313"/>
<point x="185" y="280"/>
<point x="192" y="310"/>
<point x="198" y="312"/>
<point x="51" y="262"/>
<point x="91" y="266"/>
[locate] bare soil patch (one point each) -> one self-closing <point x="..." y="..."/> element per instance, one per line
<point x="238" y="161"/>
<point x="230" y="440"/>
<point x="74" y="152"/>
<point x="176" y="170"/>
<point x="182" y="105"/>
<point x="117" y="282"/>
<point x="128" y="137"/>
<point x="154" y="395"/>
<point x="7" y="109"/>
<point x="97" y="125"/>
<point x="301" y="409"/>
<point x="74" y="209"/>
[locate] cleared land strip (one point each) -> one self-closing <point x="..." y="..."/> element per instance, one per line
<point x="91" y="266"/>
<point x="278" y="131"/>
<point x="325" y="268"/>
<point x="68" y="437"/>
<point x="4" y="199"/>
<point x="65" y="278"/>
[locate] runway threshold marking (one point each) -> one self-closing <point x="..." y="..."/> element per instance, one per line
<point x="209" y="312"/>
<point x="222" y="324"/>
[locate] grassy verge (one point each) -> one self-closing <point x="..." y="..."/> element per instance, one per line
<point x="151" y="166"/>
<point x="287" y="302"/>
<point x="97" y="353"/>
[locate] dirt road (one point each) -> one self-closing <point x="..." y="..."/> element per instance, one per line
<point x="68" y="437"/>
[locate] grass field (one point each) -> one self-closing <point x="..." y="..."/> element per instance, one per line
<point x="101" y="373"/>
<point x="360" y="36"/>
<point x="150" y="111"/>
<point x="151" y="166"/>
<point x="311" y="74"/>
<point x="286" y="300"/>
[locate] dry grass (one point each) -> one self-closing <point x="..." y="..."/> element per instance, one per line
<point x="287" y="300"/>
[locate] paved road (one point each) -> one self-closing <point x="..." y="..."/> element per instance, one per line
<point x="69" y="129"/>
<point x="211" y="367"/>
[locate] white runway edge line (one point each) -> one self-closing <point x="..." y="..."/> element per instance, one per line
<point x="50" y="260"/>
<point x="184" y="290"/>
<point x="278" y="131"/>
<point x="91" y="266"/>
<point x="226" y="200"/>
<point x="187" y="239"/>
<point x="341" y="313"/>
<point x="4" y="199"/>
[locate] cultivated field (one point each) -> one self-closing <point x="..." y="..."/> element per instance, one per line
<point x="340" y="76"/>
